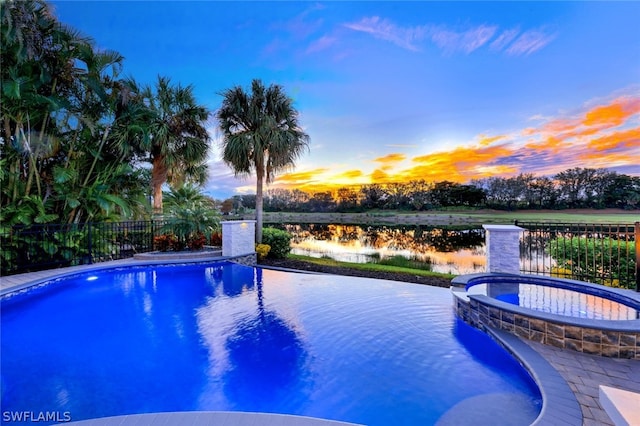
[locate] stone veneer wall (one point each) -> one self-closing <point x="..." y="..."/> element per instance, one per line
<point x="615" y="344"/>
<point x="248" y="259"/>
<point x="238" y="237"/>
<point x="503" y="248"/>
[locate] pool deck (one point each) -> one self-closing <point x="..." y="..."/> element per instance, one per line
<point x="583" y="373"/>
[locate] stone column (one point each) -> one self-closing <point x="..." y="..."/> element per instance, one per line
<point x="503" y="248"/>
<point x="238" y="237"/>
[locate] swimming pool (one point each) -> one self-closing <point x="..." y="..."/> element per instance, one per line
<point x="231" y="337"/>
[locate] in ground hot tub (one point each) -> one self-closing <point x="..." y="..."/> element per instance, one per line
<point x="564" y="313"/>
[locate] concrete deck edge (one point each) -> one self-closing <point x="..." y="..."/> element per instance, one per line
<point x="559" y="404"/>
<point x="217" y="418"/>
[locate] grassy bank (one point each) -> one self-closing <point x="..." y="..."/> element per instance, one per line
<point x="369" y="267"/>
<point x="455" y="218"/>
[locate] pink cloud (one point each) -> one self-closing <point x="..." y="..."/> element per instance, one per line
<point x="465" y="41"/>
<point x="321" y="44"/>
<point x="386" y="30"/>
<point x="529" y="42"/>
<point x="504" y="39"/>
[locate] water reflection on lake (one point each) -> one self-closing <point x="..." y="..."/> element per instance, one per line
<point x="447" y="250"/>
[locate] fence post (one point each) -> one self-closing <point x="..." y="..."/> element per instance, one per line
<point x="90" y="246"/>
<point x="637" y="239"/>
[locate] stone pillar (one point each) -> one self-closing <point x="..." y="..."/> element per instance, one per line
<point x="503" y="248"/>
<point x="238" y="237"/>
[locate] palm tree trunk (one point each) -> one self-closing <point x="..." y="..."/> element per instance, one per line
<point x="259" y="203"/>
<point x="158" y="177"/>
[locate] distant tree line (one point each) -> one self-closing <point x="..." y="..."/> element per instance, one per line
<point x="570" y="189"/>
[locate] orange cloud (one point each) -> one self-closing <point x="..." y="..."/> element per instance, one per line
<point x="488" y="140"/>
<point x="560" y="125"/>
<point x="614" y="114"/>
<point x="349" y="174"/>
<point x="378" y="176"/>
<point x="596" y="160"/>
<point x="594" y="122"/>
<point x="551" y="144"/>
<point x="460" y="165"/>
<point x="391" y="158"/>
<point x="300" y="176"/>
<point x="497" y="170"/>
<point x="622" y="139"/>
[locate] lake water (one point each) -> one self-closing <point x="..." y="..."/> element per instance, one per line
<point x="448" y="251"/>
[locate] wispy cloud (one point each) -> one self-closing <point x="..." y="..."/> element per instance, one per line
<point x="288" y="32"/>
<point x="504" y="39"/>
<point x="322" y="43"/>
<point x="529" y="42"/>
<point x="464" y="41"/>
<point x="391" y="158"/>
<point x="451" y="40"/>
<point x="484" y="140"/>
<point x="405" y="37"/>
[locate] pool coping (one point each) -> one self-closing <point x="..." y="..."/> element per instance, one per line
<point x="211" y="418"/>
<point x="560" y="405"/>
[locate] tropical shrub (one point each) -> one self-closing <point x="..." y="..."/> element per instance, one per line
<point x="278" y="240"/>
<point x="262" y="250"/>
<point x="36" y="247"/>
<point x="216" y="239"/>
<point x="196" y="241"/>
<point x="165" y="242"/>
<point x="605" y="260"/>
<point x="192" y="222"/>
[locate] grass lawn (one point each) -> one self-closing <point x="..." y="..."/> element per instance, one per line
<point x="371" y="267"/>
<point x="581" y="216"/>
<point x="457" y="217"/>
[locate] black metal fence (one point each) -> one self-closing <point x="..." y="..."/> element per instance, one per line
<point x="606" y="254"/>
<point x="47" y="246"/>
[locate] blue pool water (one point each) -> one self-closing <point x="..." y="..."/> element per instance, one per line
<point x="232" y="337"/>
<point x="540" y="296"/>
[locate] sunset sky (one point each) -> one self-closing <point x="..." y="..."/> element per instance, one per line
<point x="395" y="91"/>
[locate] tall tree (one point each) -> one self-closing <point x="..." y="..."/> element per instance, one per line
<point x="65" y="125"/>
<point x="260" y="133"/>
<point x="179" y="142"/>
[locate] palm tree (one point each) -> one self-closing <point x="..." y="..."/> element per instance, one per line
<point x="260" y="132"/>
<point x="179" y="141"/>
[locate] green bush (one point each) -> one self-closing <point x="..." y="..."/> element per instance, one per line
<point x="604" y="261"/>
<point x="403" y="262"/>
<point x="278" y="240"/>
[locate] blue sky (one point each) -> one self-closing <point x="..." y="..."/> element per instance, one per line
<point x="394" y="91"/>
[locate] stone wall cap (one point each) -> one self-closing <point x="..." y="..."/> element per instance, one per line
<point x="502" y="228"/>
<point x="238" y="221"/>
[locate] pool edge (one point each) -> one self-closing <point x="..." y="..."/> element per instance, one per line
<point x="218" y="418"/>
<point x="559" y="403"/>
